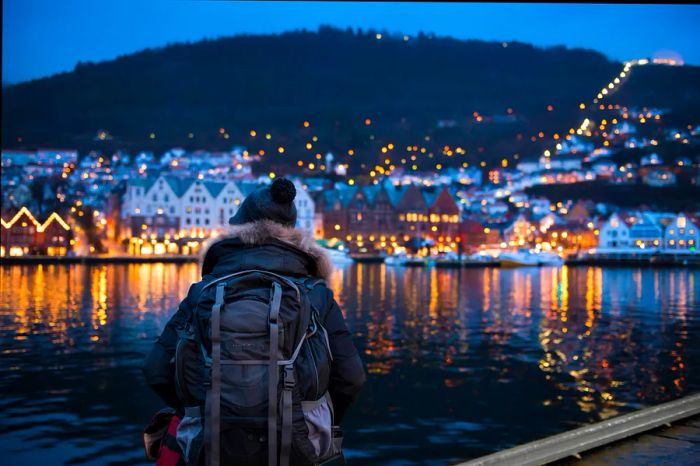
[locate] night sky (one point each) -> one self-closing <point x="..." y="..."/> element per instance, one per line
<point x="42" y="37"/>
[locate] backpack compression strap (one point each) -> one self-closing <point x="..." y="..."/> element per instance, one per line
<point x="215" y="398"/>
<point x="273" y="374"/>
<point x="288" y="386"/>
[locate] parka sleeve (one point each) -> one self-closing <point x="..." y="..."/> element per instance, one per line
<point x="347" y="372"/>
<point x="158" y="365"/>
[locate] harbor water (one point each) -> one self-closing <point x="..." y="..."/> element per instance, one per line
<point x="460" y="362"/>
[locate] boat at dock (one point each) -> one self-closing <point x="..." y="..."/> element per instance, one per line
<point x="473" y="260"/>
<point x="363" y="258"/>
<point x="405" y="260"/>
<point x="528" y="258"/>
<point x="338" y="257"/>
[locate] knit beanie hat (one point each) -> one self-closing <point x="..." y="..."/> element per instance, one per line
<point x="275" y="202"/>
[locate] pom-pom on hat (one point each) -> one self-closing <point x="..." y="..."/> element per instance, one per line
<point x="274" y="202"/>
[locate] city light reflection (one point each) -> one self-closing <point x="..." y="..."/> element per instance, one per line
<point x="574" y="344"/>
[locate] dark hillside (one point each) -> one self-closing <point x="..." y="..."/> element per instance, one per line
<point x="335" y="79"/>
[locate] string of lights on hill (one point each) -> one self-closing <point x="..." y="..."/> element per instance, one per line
<point x="605" y="92"/>
<point x="478" y="110"/>
<point x="412" y="151"/>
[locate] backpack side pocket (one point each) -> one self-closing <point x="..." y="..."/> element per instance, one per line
<point x="318" y="415"/>
<point x="190" y="435"/>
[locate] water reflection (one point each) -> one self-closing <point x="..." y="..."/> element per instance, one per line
<point x="457" y="358"/>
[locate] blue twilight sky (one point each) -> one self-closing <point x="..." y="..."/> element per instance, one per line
<point x="42" y="37"/>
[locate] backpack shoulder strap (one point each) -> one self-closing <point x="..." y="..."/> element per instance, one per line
<point x="213" y="398"/>
<point x="311" y="282"/>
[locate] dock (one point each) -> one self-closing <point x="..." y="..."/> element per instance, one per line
<point x="466" y="263"/>
<point x="648" y="259"/>
<point x="668" y="433"/>
<point x="367" y="258"/>
<point x="675" y="445"/>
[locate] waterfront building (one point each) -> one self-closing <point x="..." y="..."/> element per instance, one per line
<point x="444" y="217"/>
<point x="207" y="206"/>
<point x="411" y="209"/>
<point x="20" y="234"/>
<point x="387" y="215"/>
<point x="306" y="212"/>
<point x="154" y="234"/>
<point x="55" y="236"/>
<point x="370" y="214"/>
<point x="550" y="220"/>
<point x="614" y="233"/>
<point x="23" y="234"/>
<point x="332" y="205"/>
<point x="182" y="209"/>
<point x="145" y="196"/>
<point x="520" y="232"/>
<point x="571" y="236"/>
<point x="472" y="234"/>
<point x="580" y="213"/>
<point x="681" y="235"/>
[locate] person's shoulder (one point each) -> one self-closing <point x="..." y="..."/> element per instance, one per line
<point x="196" y="288"/>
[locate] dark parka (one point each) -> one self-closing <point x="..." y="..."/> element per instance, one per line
<point x="265" y="245"/>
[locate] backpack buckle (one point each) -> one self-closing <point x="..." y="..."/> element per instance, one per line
<point x="289" y="380"/>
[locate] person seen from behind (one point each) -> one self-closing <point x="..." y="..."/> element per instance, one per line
<point x="257" y="365"/>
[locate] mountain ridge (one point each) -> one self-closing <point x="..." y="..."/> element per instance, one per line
<point x="184" y="93"/>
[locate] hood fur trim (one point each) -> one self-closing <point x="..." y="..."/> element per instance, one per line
<point x="262" y="231"/>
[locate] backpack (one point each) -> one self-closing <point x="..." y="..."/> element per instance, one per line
<point x="252" y="368"/>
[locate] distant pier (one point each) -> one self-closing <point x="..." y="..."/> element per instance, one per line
<point x="626" y="259"/>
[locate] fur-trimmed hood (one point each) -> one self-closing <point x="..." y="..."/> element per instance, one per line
<point x="262" y="232"/>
